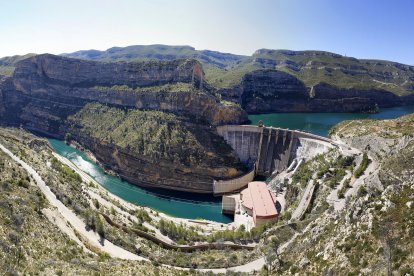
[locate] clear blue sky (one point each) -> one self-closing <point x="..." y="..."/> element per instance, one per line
<point x="361" y="28"/>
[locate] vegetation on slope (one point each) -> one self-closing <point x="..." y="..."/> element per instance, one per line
<point x="30" y="243"/>
<point x="155" y="134"/>
<point x="388" y="129"/>
<point x="173" y="87"/>
<point x="7" y="64"/>
<point x="76" y="195"/>
<point x="312" y="67"/>
<point x="362" y="167"/>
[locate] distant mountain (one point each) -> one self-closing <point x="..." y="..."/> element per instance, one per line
<point x="224" y="70"/>
<point x="7" y="64"/>
<point x="277" y="80"/>
<point x="159" y="52"/>
<point x="314" y="67"/>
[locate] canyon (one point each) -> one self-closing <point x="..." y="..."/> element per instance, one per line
<point x="45" y="90"/>
<point x="154" y="121"/>
<point x="267" y="91"/>
<point x="285" y="80"/>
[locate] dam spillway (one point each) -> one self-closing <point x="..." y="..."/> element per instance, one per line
<point x="267" y="150"/>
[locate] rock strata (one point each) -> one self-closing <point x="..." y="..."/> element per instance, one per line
<point x="269" y="90"/>
<point x="45" y="90"/>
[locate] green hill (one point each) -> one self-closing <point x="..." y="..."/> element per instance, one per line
<point x="7" y="64"/>
<point x="313" y="67"/>
<point x="225" y="70"/>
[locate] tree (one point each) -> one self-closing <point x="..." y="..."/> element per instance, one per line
<point x="99" y="226"/>
<point x="272" y="256"/>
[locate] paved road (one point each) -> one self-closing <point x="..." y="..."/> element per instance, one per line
<point x="108" y="247"/>
<point x="92" y="237"/>
<point x="304" y="201"/>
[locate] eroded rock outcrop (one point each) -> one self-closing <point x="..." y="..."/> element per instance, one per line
<point x="268" y="90"/>
<point x="45" y="90"/>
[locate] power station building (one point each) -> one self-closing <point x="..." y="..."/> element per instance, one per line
<point x="256" y="204"/>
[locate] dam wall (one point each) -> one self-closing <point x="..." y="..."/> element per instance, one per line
<point x="267" y="150"/>
<point x="244" y="139"/>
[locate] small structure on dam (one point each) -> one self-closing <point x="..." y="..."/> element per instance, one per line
<point x="254" y="206"/>
<point x="267" y="150"/>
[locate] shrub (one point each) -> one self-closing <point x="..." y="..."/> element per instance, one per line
<point x="99" y="226"/>
<point x="362" y="191"/>
<point x="363" y="166"/>
<point x="23" y="183"/>
<point x="143" y="216"/>
<point x="96" y="203"/>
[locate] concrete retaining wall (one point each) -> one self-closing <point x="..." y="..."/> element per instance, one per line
<point x="235" y="184"/>
<point x="228" y="205"/>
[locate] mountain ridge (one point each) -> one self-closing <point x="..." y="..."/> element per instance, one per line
<point x="224" y="70"/>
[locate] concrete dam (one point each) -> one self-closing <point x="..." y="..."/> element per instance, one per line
<point x="267" y="150"/>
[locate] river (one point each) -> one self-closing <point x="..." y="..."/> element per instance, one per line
<point x="193" y="206"/>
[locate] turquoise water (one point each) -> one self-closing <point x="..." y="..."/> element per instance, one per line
<point x="182" y="205"/>
<point x="320" y="123"/>
<point x="194" y="206"/>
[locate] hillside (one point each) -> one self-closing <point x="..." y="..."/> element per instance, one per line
<point x="270" y="80"/>
<point x="359" y="220"/>
<point x="35" y="239"/>
<point x="158" y="52"/>
<point x="160" y="131"/>
<point x="312" y="67"/>
<point x="361" y="217"/>
<point x="55" y="219"/>
<point x="7" y="64"/>
<point x="154" y="148"/>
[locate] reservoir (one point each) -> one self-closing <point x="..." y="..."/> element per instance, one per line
<point x="193" y="206"/>
<point x="320" y="123"/>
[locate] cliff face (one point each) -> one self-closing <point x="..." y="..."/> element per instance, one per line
<point x="2" y="109"/>
<point x="33" y="73"/>
<point x="45" y="90"/>
<point x="154" y="148"/>
<point x="51" y="80"/>
<point x="265" y="91"/>
<point x="225" y="71"/>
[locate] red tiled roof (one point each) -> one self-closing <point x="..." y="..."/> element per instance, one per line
<point x="247" y="199"/>
<point x="263" y="204"/>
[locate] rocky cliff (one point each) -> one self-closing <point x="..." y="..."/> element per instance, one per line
<point x="154" y="148"/>
<point x="269" y="90"/>
<point x="354" y="85"/>
<point x="45" y="90"/>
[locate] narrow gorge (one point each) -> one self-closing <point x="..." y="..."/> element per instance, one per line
<point x="153" y="123"/>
